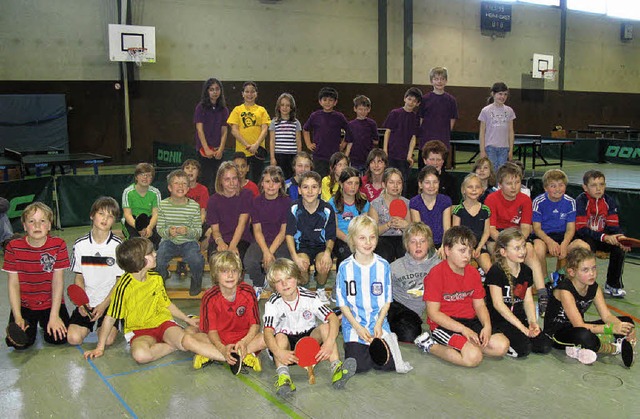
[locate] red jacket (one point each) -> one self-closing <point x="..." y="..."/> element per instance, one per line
<point x="596" y="217"/>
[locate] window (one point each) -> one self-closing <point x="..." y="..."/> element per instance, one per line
<point x="592" y="6"/>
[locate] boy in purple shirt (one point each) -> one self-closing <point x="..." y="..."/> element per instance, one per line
<point x="438" y="113"/>
<point x="364" y="133"/>
<point x="402" y="125"/>
<point x="327" y="125"/>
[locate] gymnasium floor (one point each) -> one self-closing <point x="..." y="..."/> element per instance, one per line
<point x="47" y="381"/>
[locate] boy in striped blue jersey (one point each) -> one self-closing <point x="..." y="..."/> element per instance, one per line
<point x="363" y="291"/>
<point x="180" y="226"/>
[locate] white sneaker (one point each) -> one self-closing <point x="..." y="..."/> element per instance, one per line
<point x="424" y="342"/>
<point x="322" y="295"/>
<point x="585" y="356"/>
<point x="614" y="292"/>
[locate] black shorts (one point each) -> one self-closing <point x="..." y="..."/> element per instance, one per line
<point x="82" y="321"/>
<point x="556" y="237"/>
<point x="453" y="339"/>
<point x="293" y="339"/>
<point x="312" y="252"/>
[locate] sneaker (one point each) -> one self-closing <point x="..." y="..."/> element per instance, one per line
<point x="585" y="356"/>
<point x="625" y="348"/>
<point x="258" y="291"/>
<point x="543" y="300"/>
<point x="614" y="292"/>
<point x="322" y="295"/>
<point x="284" y="386"/>
<point x="200" y="361"/>
<point x="252" y="361"/>
<point x="424" y="342"/>
<point x="343" y="372"/>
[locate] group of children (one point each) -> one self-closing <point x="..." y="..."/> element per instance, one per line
<point x="275" y="223"/>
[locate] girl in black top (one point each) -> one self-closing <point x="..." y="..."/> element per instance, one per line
<point x="564" y="321"/>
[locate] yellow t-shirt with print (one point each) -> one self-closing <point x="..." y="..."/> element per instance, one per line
<point x="141" y="304"/>
<point x="326" y="192"/>
<point x="249" y="120"/>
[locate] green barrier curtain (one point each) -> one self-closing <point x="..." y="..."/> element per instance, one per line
<point x="21" y="193"/>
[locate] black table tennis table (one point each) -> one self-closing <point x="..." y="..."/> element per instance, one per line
<point x="522" y="143"/>
<point x="39" y="162"/>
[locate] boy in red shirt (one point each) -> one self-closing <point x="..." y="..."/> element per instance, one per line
<point x="456" y="312"/>
<point x="511" y="208"/>
<point x="229" y="318"/>
<point x="35" y="265"/>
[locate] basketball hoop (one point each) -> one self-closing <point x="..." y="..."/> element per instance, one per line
<point x="549" y="74"/>
<point x="137" y="54"/>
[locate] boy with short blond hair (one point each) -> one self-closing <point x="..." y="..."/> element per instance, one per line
<point x="554" y="219"/>
<point x="140" y="300"/>
<point x="326" y="124"/>
<point x="180" y="226"/>
<point x="598" y="225"/>
<point x="35" y="266"/>
<point x="93" y="262"/>
<point x="229" y="318"/>
<point x="401" y="129"/>
<point x="291" y="314"/>
<point x="460" y="325"/>
<point x="438" y="113"/>
<point x="364" y="133"/>
<point x="311" y="232"/>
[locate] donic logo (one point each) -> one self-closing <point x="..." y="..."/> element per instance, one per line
<point x="623" y="152"/>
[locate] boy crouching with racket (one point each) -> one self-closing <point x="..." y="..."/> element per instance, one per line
<point x="291" y="315"/>
<point x="140" y="300"/>
<point x="229" y="318"/>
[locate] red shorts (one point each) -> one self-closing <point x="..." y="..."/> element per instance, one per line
<point x="157" y="332"/>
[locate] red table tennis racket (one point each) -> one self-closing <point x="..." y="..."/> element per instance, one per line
<point x="629" y="241"/>
<point x="379" y="351"/>
<point x="203" y="154"/>
<point x="79" y="297"/>
<point x="397" y="208"/>
<point x="306" y="350"/>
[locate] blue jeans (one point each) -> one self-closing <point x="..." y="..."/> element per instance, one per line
<point x="497" y="155"/>
<point x="190" y="253"/>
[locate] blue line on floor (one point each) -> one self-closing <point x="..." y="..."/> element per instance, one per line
<point x="150" y="367"/>
<point x="109" y="386"/>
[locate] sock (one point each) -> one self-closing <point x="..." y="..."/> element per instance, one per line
<point x="283" y="370"/>
<point x="392" y="340"/>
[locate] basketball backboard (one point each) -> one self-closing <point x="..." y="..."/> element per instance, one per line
<point x="541" y="63"/>
<point x="122" y="38"/>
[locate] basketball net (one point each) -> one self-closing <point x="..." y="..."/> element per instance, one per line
<point x="549" y="74"/>
<point x="138" y="55"/>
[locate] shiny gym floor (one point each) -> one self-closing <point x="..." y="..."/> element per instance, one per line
<point x="50" y="381"/>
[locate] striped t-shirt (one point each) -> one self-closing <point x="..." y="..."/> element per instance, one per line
<point x="285" y="135"/>
<point x="172" y="215"/>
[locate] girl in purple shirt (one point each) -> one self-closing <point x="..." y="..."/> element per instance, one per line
<point x="429" y="206"/>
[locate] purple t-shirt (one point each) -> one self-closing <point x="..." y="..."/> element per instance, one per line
<point x="436" y="112"/>
<point x="271" y="214"/>
<point x="326" y="127"/>
<point x="363" y="133"/>
<point x="226" y="211"/>
<point x="496" y="119"/>
<point x="212" y="121"/>
<point x="433" y="217"/>
<point x="403" y="126"/>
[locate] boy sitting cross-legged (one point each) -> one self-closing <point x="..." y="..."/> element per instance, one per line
<point x="456" y="312"/>
<point x="291" y="314"/>
<point x="229" y="318"/>
<point x="180" y="226"/>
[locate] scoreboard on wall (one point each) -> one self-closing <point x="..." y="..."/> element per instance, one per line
<point x="495" y="17"/>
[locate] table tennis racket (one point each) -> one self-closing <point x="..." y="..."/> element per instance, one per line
<point x="397" y="208"/>
<point x="306" y="350"/>
<point x="237" y="367"/>
<point x="629" y="241"/>
<point x="79" y="297"/>
<point x="16" y="335"/>
<point x="203" y="154"/>
<point x="379" y="351"/>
